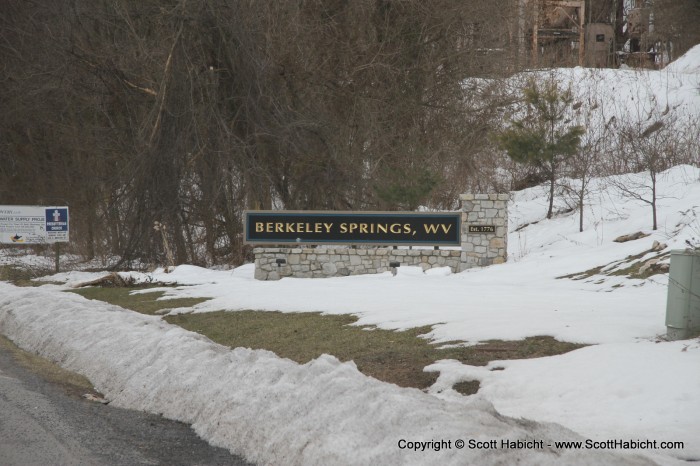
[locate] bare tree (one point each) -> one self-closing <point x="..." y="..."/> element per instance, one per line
<point x="583" y="167"/>
<point x="596" y="141"/>
<point x="651" y="148"/>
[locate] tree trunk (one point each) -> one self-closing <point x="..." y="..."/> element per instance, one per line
<point x="552" y="180"/>
<point x="653" y="198"/>
<point x="580" y="212"/>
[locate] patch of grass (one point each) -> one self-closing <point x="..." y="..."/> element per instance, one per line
<point x="21" y="276"/>
<point x="391" y="356"/>
<point x="73" y="383"/>
<point x="585" y="274"/>
<point x="145" y="303"/>
<point x="467" y="388"/>
<point x="633" y="270"/>
<point x="627" y="267"/>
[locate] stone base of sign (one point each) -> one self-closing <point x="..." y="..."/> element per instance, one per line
<point x="483" y="249"/>
<point x="484" y="241"/>
<point x="341" y="262"/>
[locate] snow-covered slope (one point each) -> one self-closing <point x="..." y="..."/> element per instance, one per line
<point x="689" y="63"/>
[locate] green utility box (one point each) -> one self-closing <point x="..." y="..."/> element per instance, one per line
<point x="683" y="304"/>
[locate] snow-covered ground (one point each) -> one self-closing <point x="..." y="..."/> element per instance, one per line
<point x="271" y="410"/>
<point x="629" y="384"/>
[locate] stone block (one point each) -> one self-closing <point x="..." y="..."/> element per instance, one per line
<point x="466" y="197"/>
<point x="329" y="269"/>
<point x="355" y="260"/>
<point x="481" y="197"/>
<point x="496" y="243"/>
<point x="293" y="259"/>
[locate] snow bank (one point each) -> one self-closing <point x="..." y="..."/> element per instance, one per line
<point x="270" y="410"/>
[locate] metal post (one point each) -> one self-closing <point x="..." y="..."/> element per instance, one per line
<point x="57" y="256"/>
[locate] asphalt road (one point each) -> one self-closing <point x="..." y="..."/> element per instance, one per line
<point x="47" y="423"/>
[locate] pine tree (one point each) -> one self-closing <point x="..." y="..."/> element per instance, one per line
<point x="544" y="137"/>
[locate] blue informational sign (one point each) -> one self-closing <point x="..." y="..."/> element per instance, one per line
<point x="56" y="224"/>
<point x="56" y="219"/>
